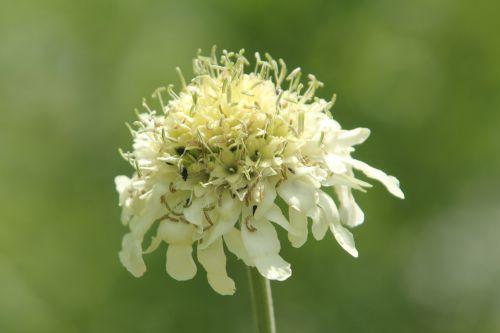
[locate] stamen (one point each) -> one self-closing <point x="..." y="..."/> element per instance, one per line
<point x="250" y="227"/>
<point x="157" y="94"/>
<point x="137" y="168"/>
<point x="171" y="92"/>
<point x="301" y="122"/>
<point x="146" y="106"/>
<point x="181" y="77"/>
<point x="321" y="138"/>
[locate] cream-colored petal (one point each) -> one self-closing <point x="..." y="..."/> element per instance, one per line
<point x="390" y="182"/>
<point x="343" y="236"/>
<point x="347" y="180"/>
<point x="153" y="210"/>
<point x="273" y="267"/>
<point x="268" y="197"/>
<point x="328" y="206"/>
<point x="122" y="184"/>
<point x="179" y="233"/>
<point x="274" y="214"/>
<point x="319" y="225"/>
<point x="298" y="194"/>
<point x="155" y="242"/>
<point x="228" y="206"/>
<point x="140" y="224"/>
<point x="126" y="215"/>
<point x="298" y="221"/>
<point x="353" y="137"/>
<point x="227" y="213"/>
<point x="335" y="164"/>
<point x="177" y="199"/>
<point x="180" y="263"/>
<point x="350" y="213"/>
<point x="234" y="243"/>
<point x="131" y="255"/>
<point x="194" y="213"/>
<point x="213" y="260"/>
<point x="222" y="226"/>
<point x="263" y="247"/>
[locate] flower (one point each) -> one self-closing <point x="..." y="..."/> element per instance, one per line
<point x="212" y="163"/>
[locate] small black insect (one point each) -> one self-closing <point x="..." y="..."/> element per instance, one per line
<point x="180" y="150"/>
<point x="184" y="173"/>
<point x="254" y="208"/>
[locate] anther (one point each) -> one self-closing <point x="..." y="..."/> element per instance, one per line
<point x="180" y="150"/>
<point x="184" y="173"/>
<point x="250" y="227"/>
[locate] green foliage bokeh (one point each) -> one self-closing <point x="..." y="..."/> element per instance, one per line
<point x="424" y="76"/>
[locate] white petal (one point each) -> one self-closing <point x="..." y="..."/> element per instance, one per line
<point x="342" y="235"/>
<point x="180" y="263"/>
<point x="227" y="214"/>
<point x="298" y="221"/>
<point x="178" y="233"/>
<point x="220" y="227"/>
<point x="347" y="180"/>
<point x="177" y="198"/>
<point x="329" y="208"/>
<point x="126" y="215"/>
<point x="319" y="226"/>
<point x="140" y="224"/>
<point x="155" y="242"/>
<point x="234" y="243"/>
<point x="298" y="194"/>
<point x="353" y="137"/>
<point x="273" y="267"/>
<point x="194" y="213"/>
<point x="345" y="238"/>
<point x="131" y="255"/>
<point x="335" y="164"/>
<point x="274" y="214"/>
<point x="152" y="211"/>
<point x="390" y="182"/>
<point x="229" y="206"/>
<point x="263" y="247"/>
<point x="269" y="195"/>
<point x="200" y="190"/>
<point x="213" y="260"/>
<point x="157" y="191"/>
<point x="350" y="213"/>
<point x="122" y="184"/>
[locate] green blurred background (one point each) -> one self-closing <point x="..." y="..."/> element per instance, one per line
<point x="423" y="75"/>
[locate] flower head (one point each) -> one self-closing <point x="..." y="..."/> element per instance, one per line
<point x="212" y="163"/>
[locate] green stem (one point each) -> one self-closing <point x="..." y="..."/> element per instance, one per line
<point x="262" y="302"/>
